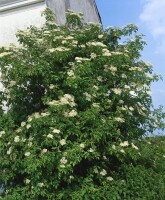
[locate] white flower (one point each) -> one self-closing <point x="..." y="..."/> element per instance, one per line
<point x="88" y="96"/>
<point x="126" y="86"/>
<point x="148" y="142"/>
<point x="103" y="172"/>
<point x="23" y="124"/>
<point x="71" y="177"/>
<point x="27" y="154"/>
<point x="106" y="52"/>
<point x="163" y="156"/>
<point x="56" y="131"/>
<point x="104" y="157"/>
<point x="100" y="36"/>
<point x="96" y="44"/>
<point x="122" y="151"/>
<point x="28" y="126"/>
<point x="29" y="119"/>
<point x="30" y="144"/>
<point x="117" y="91"/>
<point x="148" y="92"/>
<point x="121" y="101"/>
<point x="93" y="55"/>
<point x="51" y="86"/>
<point x="113" y="147"/>
<point x="4" y="54"/>
<point x="72" y="113"/>
<point x="96" y="87"/>
<point x="45" y="114"/>
<point x="113" y="69"/>
<point x="135" y="147"/>
<point x="124" y="144"/>
<point x="91" y="150"/>
<point x="44" y="150"/>
<point x="12" y="83"/>
<point x="118" y="119"/>
<point x="96" y="105"/>
<point x="63" y="142"/>
<point x="133" y="93"/>
<point x="37" y="115"/>
<point x="63" y="160"/>
<point x="27" y="181"/>
<point x="109" y="178"/>
<point x="100" y="78"/>
<point x="2" y="133"/>
<point x="40" y="184"/>
<point x="16" y="139"/>
<point x="131" y="108"/>
<point x="9" y="151"/>
<point x="82" y="145"/>
<point x="70" y="73"/>
<point x="24" y="140"/>
<point x="124" y="76"/>
<point x="50" y="136"/>
<point x="96" y="171"/>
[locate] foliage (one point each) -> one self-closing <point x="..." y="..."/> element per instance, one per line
<point x="77" y="101"/>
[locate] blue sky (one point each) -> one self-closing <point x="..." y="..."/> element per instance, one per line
<point x="149" y="15"/>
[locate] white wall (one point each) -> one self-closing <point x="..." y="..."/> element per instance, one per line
<point x="19" y="18"/>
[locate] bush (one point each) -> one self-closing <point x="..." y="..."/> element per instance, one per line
<point x="76" y="102"/>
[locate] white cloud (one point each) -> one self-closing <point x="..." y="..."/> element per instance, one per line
<point x="153" y="15"/>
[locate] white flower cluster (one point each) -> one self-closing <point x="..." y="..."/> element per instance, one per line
<point x="9" y="151"/>
<point x="59" y="49"/>
<point x="106" y="52"/>
<point x="41" y="184"/>
<point x="44" y="150"/>
<point x="2" y="133"/>
<point x="93" y="55"/>
<point x="124" y="144"/>
<point x="100" y="44"/>
<point x="110" y="68"/>
<point x="56" y="131"/>
<point x="79" y="59"/>
<point x="82" y="145"/>
<point x="103" y="172"/>
<point x="62" y="142"/>
<point x="16" y="139"/>
<point x="71" y="73"/>
<point x="134" y="146"/>
<point x="117" y="91"/>
<point x="63" y="161"/>
<point x="27" y="181"/>
<point x="119" y="119"/>
<point x="88" y="96"/>
<point x="12" y="83"/>
<point x="66" y="99"/>
<point x="96" y="105"/>
<point x="50" y="136"/>
<point x="135" y="69"/>
<point x="72" y="113"/>
<point x="4" y="54"/>
<point x="100" y="36"/>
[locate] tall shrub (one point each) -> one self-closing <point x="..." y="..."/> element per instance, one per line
<point x="76" y="101"/>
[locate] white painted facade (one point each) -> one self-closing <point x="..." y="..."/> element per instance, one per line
<point x="19" y="16"/>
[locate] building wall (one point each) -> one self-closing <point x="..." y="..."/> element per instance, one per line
<point x="19" y="18"/>
<point x="87" y="7"/>
<point x="20" y="14"/>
